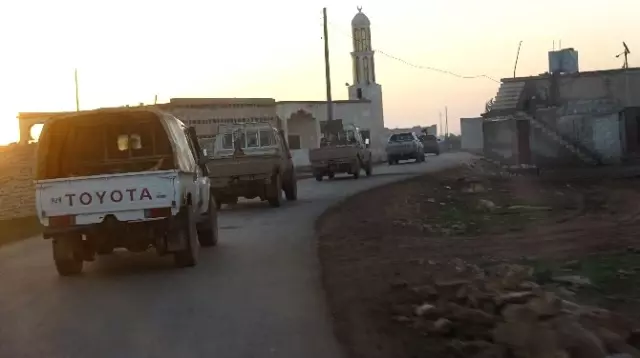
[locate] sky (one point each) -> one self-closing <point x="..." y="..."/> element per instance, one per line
<point x="126" y="52"/>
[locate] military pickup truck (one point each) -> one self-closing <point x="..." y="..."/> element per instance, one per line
<point x="250" y="160"/>
<point x="341" y="152"/>
<point x="130" y="178"/>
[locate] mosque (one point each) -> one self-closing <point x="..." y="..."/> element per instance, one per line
<point x="302" y="120"/>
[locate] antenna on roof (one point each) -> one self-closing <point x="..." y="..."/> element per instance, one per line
<point x="624" y="53"/>
<point x="517" y="56"/>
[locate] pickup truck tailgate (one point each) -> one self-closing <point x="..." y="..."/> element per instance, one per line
<point x="241" y="166"/>
<point x="106" y="194"/>
<point x="401" y="147"/>
<point x="330" y="153"/>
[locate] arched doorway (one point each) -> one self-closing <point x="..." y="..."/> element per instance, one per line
<point x="302" y="130"/>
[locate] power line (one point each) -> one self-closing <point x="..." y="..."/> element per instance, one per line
<point x="421" y="67"/>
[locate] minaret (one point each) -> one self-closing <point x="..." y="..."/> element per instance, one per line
<point x="364" y="69"/>
<point x="365" y="87"/>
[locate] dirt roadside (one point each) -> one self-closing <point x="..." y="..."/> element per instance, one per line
<point x="380" y="248"/>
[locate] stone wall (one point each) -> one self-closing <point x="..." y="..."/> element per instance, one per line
<point x="17" y="193"/>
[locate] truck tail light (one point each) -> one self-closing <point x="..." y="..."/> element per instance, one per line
<point x="157" y="213"/>
<point x="62" y="221"/>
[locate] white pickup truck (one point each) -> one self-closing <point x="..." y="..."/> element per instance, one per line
<point x="129" y="178"/>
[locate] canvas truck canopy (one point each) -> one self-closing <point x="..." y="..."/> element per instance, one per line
<point x="110" y="141"/>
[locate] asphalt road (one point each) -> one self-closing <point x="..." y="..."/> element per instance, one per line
<point x="257" y="294"/>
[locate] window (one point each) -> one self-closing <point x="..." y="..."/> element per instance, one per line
<point x="294" y="141"/>
<point x="357" y="69"/>
<point x="365" y="62"/>
<point x="123" y="142"/>
<point x="359" y="93"/>
<point x="366" y="134"/>
<point x="266" y="138"/>
<point x="252" y="139"/>
<point x="192" y="146"/>
<point x="227" y="141"/>
<point x="402" y="137"/>
<point x="207" y="145"/>
<point x="115" y="143"/>
<point x="249" y="139"/>
<point x="351" y="137"/>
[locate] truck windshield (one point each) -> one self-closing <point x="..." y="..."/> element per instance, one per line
<point x="105" y="143"/>
<point x="402" y="137"/>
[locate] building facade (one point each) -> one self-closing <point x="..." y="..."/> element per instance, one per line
<point x="590" y="117"/>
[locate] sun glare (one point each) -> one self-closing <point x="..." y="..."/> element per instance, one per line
<point x="9" y="132"/>
<point x="35" y="131"/>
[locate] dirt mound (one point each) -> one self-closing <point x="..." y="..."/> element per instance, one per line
<point x="579" y="238"/>
<point x="502" y="312"/>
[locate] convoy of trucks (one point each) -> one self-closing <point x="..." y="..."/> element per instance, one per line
<point x="139" y="178"/>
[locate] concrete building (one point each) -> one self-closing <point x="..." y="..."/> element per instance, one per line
<point x="471" y="134"/>
<point x="565" y="117"/>
<point x="205" y="114"/>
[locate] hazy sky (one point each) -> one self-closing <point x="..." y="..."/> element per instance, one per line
<point x="128" y="51"/>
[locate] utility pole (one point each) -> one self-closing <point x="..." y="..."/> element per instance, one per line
<point x="155" y="99"/>
<point x="75" y="76"/>
<point x="440" y="127"/>
<point x="327" y="68"/>
<point x="446" y="121"/>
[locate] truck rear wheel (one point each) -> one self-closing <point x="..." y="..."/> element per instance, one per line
<point x="319" y="177"/>
<point x="291" y="188"/>
<point x="208" y="229"/>
<point x="356" y="170"/>
<point x="66" y="254"/>
<point x="275" y="191"/>
<point x="188" y="256"/>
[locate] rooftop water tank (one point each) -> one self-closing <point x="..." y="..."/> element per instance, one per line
<point x="563" y="61"/>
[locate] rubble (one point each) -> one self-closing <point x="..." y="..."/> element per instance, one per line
<point x="501" y="312"/>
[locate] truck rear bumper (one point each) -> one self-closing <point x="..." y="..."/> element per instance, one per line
<point x="246" y="186"/>
<point x="112" y="227"/>
<point x="325" y="168"/>
<point x="402" y="155"/>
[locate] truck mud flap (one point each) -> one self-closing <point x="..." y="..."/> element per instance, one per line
<point x="173" y="241"/>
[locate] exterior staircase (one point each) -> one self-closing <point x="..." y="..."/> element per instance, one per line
<point x="586" y="155"/>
